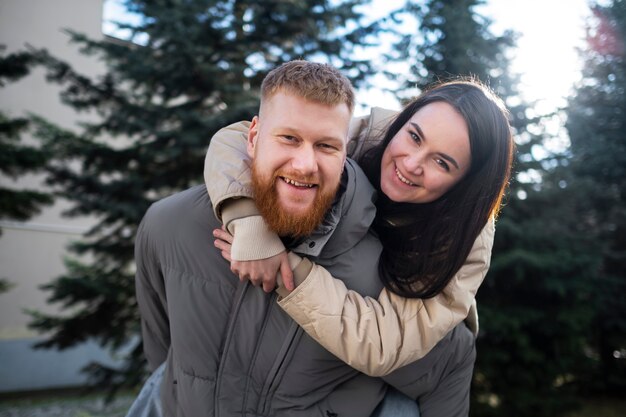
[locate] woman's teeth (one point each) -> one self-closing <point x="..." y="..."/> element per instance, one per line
<point x="404" y="180"/>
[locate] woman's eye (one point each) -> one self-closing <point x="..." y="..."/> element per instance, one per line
<point x="442" y="164"/>
<point x="415" y="137"/>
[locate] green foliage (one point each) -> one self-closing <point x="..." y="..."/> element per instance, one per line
<point x="5" y="285"/>
<point x="16" y="158"/>
<point x="535" y="307"/>
<point x="552" y="310"/>
<point x="596" y="125"/>
<point x="456" y="40"/>
<point x="195" y="66"/>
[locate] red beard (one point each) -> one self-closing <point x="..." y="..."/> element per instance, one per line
<point x="283" y="222"/>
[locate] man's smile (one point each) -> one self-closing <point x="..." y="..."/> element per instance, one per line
<point x="298" y="183"/>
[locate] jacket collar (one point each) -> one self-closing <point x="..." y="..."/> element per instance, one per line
<point x="347" y="221"/>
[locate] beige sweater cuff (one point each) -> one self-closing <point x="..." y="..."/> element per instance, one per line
<point x="253" y="240"/>
<point x="237" y="208"/>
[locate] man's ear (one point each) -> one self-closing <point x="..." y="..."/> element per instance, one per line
<point x="253" y="133"/>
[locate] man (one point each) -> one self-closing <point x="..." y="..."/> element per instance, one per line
<point x="227" y="347"/>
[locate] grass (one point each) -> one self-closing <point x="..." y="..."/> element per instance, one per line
<point x="601" y="407"/>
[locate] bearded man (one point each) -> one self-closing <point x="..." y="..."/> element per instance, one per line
<point x="223" y="346"/>
<point x="228" y="349"/>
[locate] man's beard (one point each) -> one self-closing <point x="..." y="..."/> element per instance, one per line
<point x="281" y="221"/>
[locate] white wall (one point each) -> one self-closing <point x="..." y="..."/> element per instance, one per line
<point x="31" y="253"/>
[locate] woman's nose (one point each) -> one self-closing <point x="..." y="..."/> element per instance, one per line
<point x="414" y="164"/>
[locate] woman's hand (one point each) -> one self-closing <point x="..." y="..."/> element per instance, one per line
<point x="259" y="272"/>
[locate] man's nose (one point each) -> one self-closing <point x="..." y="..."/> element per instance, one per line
<point x="305" y="160"/>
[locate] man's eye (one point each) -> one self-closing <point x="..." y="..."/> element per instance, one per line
<point x="289" y="138"/>
<point x="327" y="147"/>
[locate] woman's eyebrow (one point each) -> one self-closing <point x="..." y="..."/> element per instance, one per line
<point x="419" y="130"/>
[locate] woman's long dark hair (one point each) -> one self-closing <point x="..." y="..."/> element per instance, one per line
<point x="424" y="245"/>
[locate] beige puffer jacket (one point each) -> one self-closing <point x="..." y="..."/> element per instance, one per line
<point x="374" y="336"/>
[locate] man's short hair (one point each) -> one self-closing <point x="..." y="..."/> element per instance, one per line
<point x="320" y="83"/>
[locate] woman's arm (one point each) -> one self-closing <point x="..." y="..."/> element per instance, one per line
<point x="227" y="166"/>
<point x="379" y="336"/>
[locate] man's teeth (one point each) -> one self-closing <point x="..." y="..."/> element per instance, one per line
<point x="297" y="184"/>
<point x="401" y="178"/>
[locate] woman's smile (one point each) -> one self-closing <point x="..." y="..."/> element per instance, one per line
<point x="403" y="178"/>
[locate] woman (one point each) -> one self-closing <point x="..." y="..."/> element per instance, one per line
<point x="441" y="170"/>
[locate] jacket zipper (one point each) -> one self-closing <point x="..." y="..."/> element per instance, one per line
<point x="274" y="375"/>
<point x="226" y="348"/>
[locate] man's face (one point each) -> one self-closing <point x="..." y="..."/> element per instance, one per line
<point x="298" y="148"/>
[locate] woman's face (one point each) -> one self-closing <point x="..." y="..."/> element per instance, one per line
<point x="427" y="157"/>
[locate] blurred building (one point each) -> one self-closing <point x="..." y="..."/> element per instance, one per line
<point x="32" y="252"/>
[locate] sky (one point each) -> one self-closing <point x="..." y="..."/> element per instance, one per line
<point x="546" y="56"/>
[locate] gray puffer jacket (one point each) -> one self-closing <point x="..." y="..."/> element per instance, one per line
<point x="231" y="351"/>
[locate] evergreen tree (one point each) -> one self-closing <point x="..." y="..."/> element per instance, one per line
<point x="4" y="285"/>
<point x="16" y="158"/>
<point x="532" y="328"/>
<point x="196" y="66"/>
<point x="454" y="39"/>
<point x="535" y="304"/>
<point x="596" y="124"/>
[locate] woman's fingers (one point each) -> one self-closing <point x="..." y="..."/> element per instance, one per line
<point x="223" y="235"/>
<point x="224" y="247"/>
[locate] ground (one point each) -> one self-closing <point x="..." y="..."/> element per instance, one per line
<point x="66" y="405"/>
<point x="72" y="405"/>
